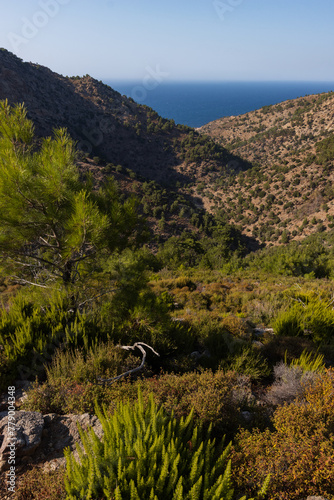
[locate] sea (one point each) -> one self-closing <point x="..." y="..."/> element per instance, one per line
<point x="197" y="103"/>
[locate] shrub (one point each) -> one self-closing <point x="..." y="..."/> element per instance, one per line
<point x="310" y="362"/>
<point x="216" y="398"/>
<point x="147" y="454"/>
<point x="314" y="318"/>
<point x="298" y="453"/>
<point x="249" y="362"/>
<point x="101" y="361"/>
<point x="30" y="332"/>
<point x="290" y="382"/>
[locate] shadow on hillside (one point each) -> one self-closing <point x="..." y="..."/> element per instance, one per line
<point x="110" y="126"/>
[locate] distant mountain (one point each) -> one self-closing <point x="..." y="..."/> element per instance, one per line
<point x="288" y="193"/>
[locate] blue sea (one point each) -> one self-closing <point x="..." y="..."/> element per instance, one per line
<point x="196" y="103"/>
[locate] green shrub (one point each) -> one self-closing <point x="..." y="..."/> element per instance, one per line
<point x="310" y="362"/>
<point x="30" y="332"/>
<point x="147" y="454"/>
<point x="249" y="362"/>
<point x="315" y="318"/>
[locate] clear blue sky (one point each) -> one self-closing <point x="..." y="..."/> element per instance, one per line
<point x="181" y="39"/>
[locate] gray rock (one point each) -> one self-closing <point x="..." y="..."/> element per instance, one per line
<point x="62" y="432"/>
<point x="316" y="498"/>
<point x="19" y="437"/>
<point x="195" y="355"/>
<point x="258" y="344"/>
<point x="198" y="355"/>
<point x="247" y="416"/>
<point x="43" y="439"/>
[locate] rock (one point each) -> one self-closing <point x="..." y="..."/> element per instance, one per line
<point x="258" y="344"/>
<point x="247" y="416"/>
<point x="195" y="355"/>
<point x="316" y="498"/>
<point x="62" y="432"/>
<point x="26" y="437"/>
<point x="43" y="439"/>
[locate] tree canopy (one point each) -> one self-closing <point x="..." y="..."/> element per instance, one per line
<point x="54" y="227"/>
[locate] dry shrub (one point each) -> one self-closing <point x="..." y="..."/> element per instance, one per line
<point x="299" y="453"/>
<point x="290" y="382"/>
<point x="36" y="485"/>
<point x="217" y="398"/>
<point x="237" y="326"/>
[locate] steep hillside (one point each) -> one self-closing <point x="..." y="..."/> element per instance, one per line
<point x="148" y="155"/>
<point x="111" y="126"/>
<point x="288" y="193"/>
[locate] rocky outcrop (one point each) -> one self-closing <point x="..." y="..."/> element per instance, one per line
<point x="41" y="439"/>
<point x="20" y="437"/>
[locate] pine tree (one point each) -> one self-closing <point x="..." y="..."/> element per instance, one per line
<point x="53" y="227"/>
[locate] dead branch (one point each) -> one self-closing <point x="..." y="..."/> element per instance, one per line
<point x="139" y="345"/>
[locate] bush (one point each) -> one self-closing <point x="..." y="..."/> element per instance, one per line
<point x="30" y="332"/>
<point x="147" y="454"/>
<point x="290" y="382"/>
<point x="314" y="318"/>
<point x="216" y="398"/>
<point x="249" y="362"/>
<point x="299" y="453"/>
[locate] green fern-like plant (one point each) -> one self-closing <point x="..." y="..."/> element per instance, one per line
<point x="147" y="454"/>
<point x="310" y="362"/>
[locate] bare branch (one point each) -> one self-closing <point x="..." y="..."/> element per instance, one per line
<point x="26" y="282"/>
<point x="134" y="370"/>
<point x="96" y="297"/>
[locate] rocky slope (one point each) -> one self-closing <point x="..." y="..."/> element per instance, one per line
<point x="148" y="155"/>
<point x="289" y="189"/>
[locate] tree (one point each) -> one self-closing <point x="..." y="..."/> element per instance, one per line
<point x="53" y="226"/>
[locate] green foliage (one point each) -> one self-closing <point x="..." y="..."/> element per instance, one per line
<point x="325" y="150"/>
<point x="30" y="333"/>
<point x="101" y="360"/>
<point x="313" y="255"/>
<point x="184" y="250"/>
<point x="146" y="453"/>
<point x="249" y="362"/>
<point x="314" y="318"/>
<point x="310" y="362"/>
<point x="52" y="226"/>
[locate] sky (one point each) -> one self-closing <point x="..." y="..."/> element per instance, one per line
<point x="174" y="40"/>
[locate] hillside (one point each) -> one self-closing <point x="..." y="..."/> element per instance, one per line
<point x="148" y="155"/>
<point x="106" y="326"/>
<point x="288" y="192"/>
<point x="110" y="125"/>
<point x="269" y="172"/>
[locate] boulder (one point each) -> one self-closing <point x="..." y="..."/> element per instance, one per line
<point x="24" y="440"/>
<point x="42" y="439"/>
<point x="61" y="431"/>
